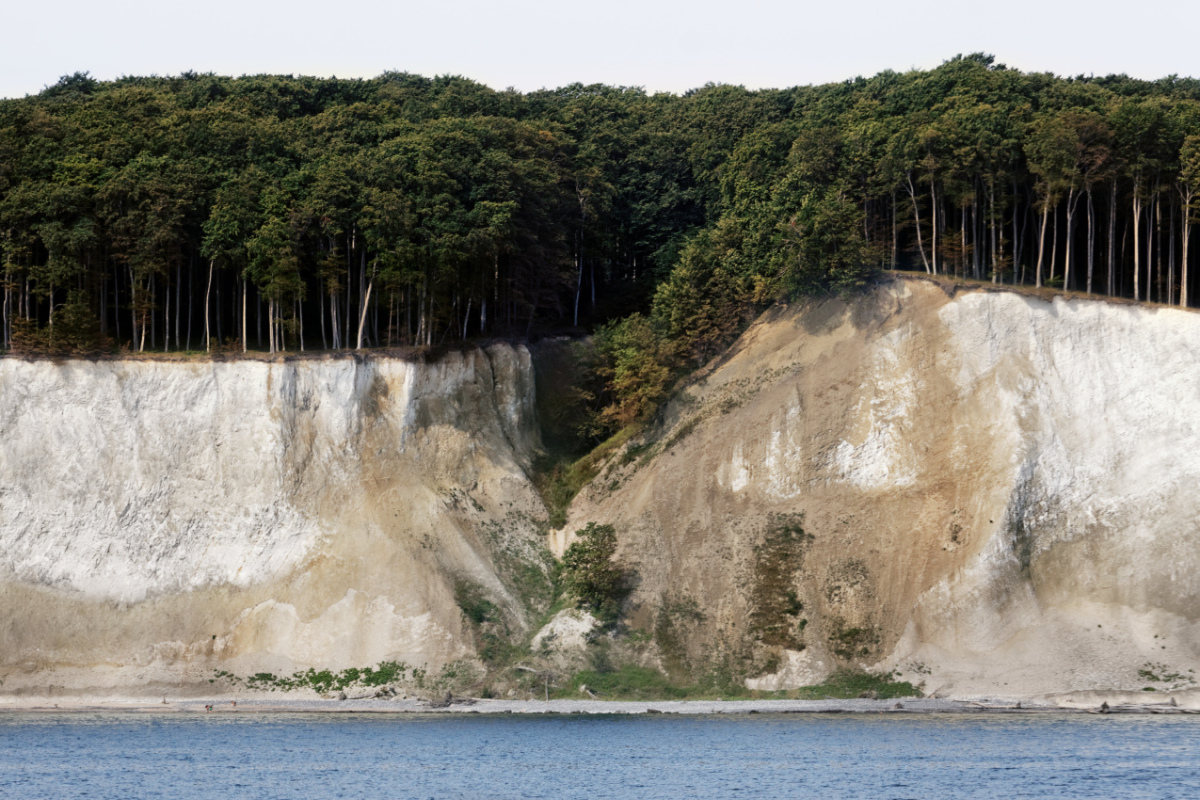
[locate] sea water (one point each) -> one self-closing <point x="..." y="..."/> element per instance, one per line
<point x="598" y="756"/>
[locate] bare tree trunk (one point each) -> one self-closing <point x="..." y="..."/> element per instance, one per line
<point x="245" y="333"/>
<point x="1157" y="258"/>
<point x="1091" y="256"/>
<point x="207" y="294"/>
<point x="191" y="296"/>
<point x="1016" y="249"/>
<point x="1054" y="245"/>
<point x="1072" y="199"/>
<point x="912" y="193"/>
<point x="1171" y="255"/>
<point x="895" y="235"/>
<point x="933" y="208"/>
<point x="1112" y="240"/>
<point x="362" y="319"/>
<point x="1042" y="242"/>
<point x="349" y="281"/>
<point x="1185" y="233"/>
<point x="321" y="312"/>
<point x="962" y="251"/>
<point x="178" y="290"/>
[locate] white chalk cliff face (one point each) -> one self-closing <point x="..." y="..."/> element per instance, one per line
<point x="1000" y="490"/>
<point x="160" y="520"/>
<point x="997" y="495"/>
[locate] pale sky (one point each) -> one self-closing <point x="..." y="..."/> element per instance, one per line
<point x="661" y="45"/>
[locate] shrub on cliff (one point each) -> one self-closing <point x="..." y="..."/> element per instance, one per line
<point x="589" y="574"/>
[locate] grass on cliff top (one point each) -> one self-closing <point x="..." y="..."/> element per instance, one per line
<point x="642" y="683"/>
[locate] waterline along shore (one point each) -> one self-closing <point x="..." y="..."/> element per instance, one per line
<point x="1082" y="702"/>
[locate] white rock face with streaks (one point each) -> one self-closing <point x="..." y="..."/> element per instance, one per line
<point x="169" y="517"/>
<point x="999" y="493"/>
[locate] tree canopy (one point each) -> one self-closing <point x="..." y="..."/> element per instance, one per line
<point x="277" y="212"/>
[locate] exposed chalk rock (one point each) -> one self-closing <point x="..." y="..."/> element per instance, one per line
<point x="999" y="490"/>
<point x="162" y="519"/>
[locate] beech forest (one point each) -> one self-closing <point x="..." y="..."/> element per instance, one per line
<point x="280" y="213"/>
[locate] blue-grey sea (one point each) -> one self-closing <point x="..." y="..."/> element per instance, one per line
<point x="323" y="756"/>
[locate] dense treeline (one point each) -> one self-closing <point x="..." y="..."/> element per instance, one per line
<point x="297" y="213"/>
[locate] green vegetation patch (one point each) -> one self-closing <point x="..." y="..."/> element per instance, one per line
<point x="589" y="574"/>
<point x="848" y="684"/>
<point x="1160" y="673"/>
<point x="775" y="607"/>
<point x="322" y="681"/>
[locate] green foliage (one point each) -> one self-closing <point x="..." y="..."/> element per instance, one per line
<point x="402" y="210"/>
<point x="591" y="577"/>
<point x="559" y="481"/>
<point x="1156" y="672"/>
<point x="474" y="604"/>
<point x="850" y="642"/>
<point x="322" y="681"/>
<point x="674" y="623"/>
<point x="849" y="684"/>
<point x="627" y="683"/>
<point x="636" y="362"/>
<point x="775" y="608"/>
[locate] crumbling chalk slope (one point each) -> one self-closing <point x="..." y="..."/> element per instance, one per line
<point x="997" y="494"/>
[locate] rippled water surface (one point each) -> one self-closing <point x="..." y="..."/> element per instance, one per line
<point x="820" y="756"/>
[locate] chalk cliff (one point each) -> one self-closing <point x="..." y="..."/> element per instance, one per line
<point x="997" y="494"/>
<point x="988" y="492"/>
<point x="160" y="520"/>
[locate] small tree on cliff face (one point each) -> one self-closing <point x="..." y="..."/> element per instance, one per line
<point x="589" y="574"/>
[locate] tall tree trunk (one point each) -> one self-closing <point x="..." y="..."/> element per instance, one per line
<point x="1091" y="239"/>
<point x="207" y="315"/>
<point x="1054" y="245"/>
<point x="962" y="251"/>
<point x="1137" y="248"/>
<point x="912" y="193"/>
<point x="1112" y="240"/>
<point x="191" y="296"/>
<point x="167" y="317"/>
<point x="178" y="291"/>
<point x="1157" y="258"/>
<point x="133" y="307"/>
<point x="1072" y="199"/>
<point x="1186" y="233"/>
<point x="362" y="319"/>
<point x="1042" y="242"/>
<point x="245" y="333"/>
<point x="997" y="240"/>
<point x="895" y="235"/>
<point x="321" y="312"/>
<point x="933" y="208"/>
<point x="1171" y="254"/>
<point x="1016" y="248"/>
